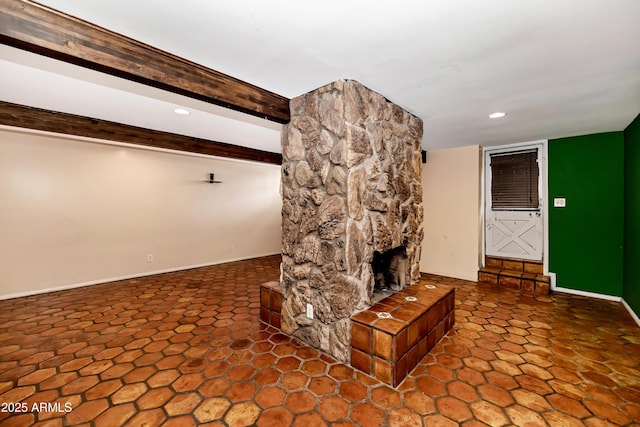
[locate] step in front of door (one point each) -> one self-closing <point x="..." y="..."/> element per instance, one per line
<point x="513" y="273"/>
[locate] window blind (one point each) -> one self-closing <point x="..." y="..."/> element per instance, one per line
<point x="514" y="180"/>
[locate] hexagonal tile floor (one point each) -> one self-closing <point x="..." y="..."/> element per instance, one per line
<point x="187" y="349"/>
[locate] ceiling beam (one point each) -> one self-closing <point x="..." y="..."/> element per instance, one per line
<point x="70" y="124"/>
<point x="28" y="25"/>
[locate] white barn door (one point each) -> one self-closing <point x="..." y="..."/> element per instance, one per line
<point x="513" y="203"/>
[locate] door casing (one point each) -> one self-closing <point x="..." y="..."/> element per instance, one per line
<point x="541" y="145"/>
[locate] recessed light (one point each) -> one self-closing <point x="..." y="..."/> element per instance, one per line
<point x="497" y="115"/>
<point x="181" y="111"/>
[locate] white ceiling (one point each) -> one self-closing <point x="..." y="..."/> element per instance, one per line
<point x="557" y="67"/>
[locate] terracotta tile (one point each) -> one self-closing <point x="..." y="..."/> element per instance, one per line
<point x="240" y="391"/>
<point x="58" y="380"/>
<point x="430" y="386"/>
<point x="273" y="417"/>
<point x="462" y="391"/>
<point x="512" y="358"/>
<point x="216" y="368"/>
<point x="383" y="370"/>
<point x="493" y="262"/>
<point x="276" y="301"/>
<point x="513" y="265"/>
<point x="322" y="386"/>
<point x="80" y="384"/>
<point x="155" y="398"/>
<point x="139" y="374"/>
<point x="453" y="408"/>
<point x="531" y="400"/>
<point x="116" y="371"/>
<point x="306" y="353"/>
<point x="270" y="396"/>
<point x="182" y="404"/>
<point x="385" y="396"/>
<point x="604" y="395"/>
<point x="419" y="402"/>
<point x="294" y="380"/>
<point x="476" y="364"/>
<point x="242" y="414"/>
<point x="404" y="417"/>
<point x="333" y="408"/>
<point x="361" y="337"/>
<point x="631" y="410"/>
<point x="353" y="391"/>
<point x="214" y="387"/>
<point x="560" y="419"/>
<point x="506" y="368"/>
<point x="287" y="364"/>
<point x="508" y="282"/>
<point x="187" y="382"/>
<point x="399" y="345"/>
<point x="18" y="421"/>
<point x="607" y="412"/>
<point x="128" y="393"/>
<point x="522" y="416"/>
<point x="163" y="378"/>
<point x="495" y="394"/>
<point x="568" y="389"/>
<point x="267" y="376"/>
<point x="341" y="372"/>
<point x="239" y="373"/>
<point x="116" y="415"/>
<point x="367" y="414"/>
<point x="300" y="401"/>
<point x="489" y="413"/>
<point x="533" y="267"/>
<point x="599" y="379"/>
<point x="183" y="421"/>
<point x="36" y="376"/>
<point x="265" y="297"/>
<point x="87" y="411"/>
<point x="501" y="380"/>
<point x="489" y="277"/>
<point x="153" y="417"/>
<point x="103" y="389"/>
<point x="365" y="317"/>
<point x="361" y="361"/>
<point x="390" y="326"/>
<point x="568" y="405"/>
<point x="313" y="367"/>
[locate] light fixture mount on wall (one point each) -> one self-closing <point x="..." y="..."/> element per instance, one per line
<point x="212" y="179"/>
<point x="497" y="115"/>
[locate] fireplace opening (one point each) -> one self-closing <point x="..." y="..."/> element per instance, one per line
<point x="389" y="271"/>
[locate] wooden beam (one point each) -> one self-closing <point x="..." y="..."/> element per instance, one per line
<point x="28" y="25"/>
<point x="71" y="124"/>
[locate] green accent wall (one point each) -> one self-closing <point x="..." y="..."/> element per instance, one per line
<point x="586" y="237"/>
<point x="631" y="288"/>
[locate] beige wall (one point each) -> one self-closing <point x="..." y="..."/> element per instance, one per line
<point x="77" y="212"/>
<point x="452" y="237"/>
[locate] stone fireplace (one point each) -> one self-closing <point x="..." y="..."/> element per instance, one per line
<point x="352" y="209"/>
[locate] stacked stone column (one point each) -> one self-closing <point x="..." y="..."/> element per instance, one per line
<point x="351" y="185"/>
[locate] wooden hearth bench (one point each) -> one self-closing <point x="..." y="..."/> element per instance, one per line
<point x="390" y="338"/>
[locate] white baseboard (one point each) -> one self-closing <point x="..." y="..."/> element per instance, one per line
<point x="600" y="296"/>
<point x="631" y="312"/>
<point x="130" y="276"/>
<point x="587" y="294"/>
